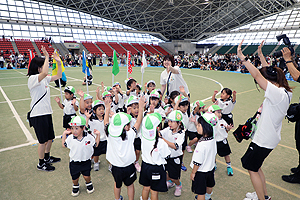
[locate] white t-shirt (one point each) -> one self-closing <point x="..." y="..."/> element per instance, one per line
<point x="220" y="132"/>
<point x="185" y="120"/>
<point x="205" y="155"/>
<point x="159" y="110"/>
<point x="175" y="81"/>
<point x="121" y="153"/>
<point x="132" y="123"/>
<point x="226" y="106"/>
<point x="121" y="100"/>
<point x="37" y="90"/>
<point x="269" y="124"/>
<point x="98" y="125"/>
<point x="158" y="154"/>
<point x="80" y="150"/>
<point x="176" y="138"/>
<point x="192" y="126"/>
<point x="68" y="107"/>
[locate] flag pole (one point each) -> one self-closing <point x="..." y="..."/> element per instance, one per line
<point x="112" y="80"/>
<point x="127" y="63"/>
<point x="142" y="71"/>
<point x="86" y="81"/>
<point x="61" y="96"/>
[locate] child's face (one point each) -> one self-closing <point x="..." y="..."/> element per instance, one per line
<point x="100" y="111"/>
<point x="135" y="109"/>
<point x="154" y="101"/>
<point x="218" y="113"/>
<point x="166" y="100"/>
<point x="199" y="129"/>
<point x="76" y="131"/>
<point x="133" y="85"/>
<point x="224" y="95"/>
<point x="151" y="87"/>
<point x="173" y="125"/>
<point x="183" y="109"/>
<point x="88" y="104"/>
<point x="68" y="96"/>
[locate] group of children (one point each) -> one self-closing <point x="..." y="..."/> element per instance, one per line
<point x="125" y="125"/>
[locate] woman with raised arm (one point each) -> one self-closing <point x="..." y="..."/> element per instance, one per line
<point x="267" y="136"/>
<point x="41" y="113"/>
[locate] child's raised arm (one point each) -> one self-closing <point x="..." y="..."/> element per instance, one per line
<point x="98" y="96"/>
<point x="97" y="133"/>
<point x="107" y="111"/>
<point x="57" y="99"/>
<point x="140" y="115"/>
<point x="74" y="105"/>
<point x="233" y="96"/>
<point x="116" y="95"/>
<point x="177" y="103"/>
<point x="261" y="55"/>
<point x="64" y="136"/>
<point x="81" y="103"/>
<point x="213" y="98"/>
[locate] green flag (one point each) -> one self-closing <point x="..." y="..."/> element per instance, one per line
<point x="115" y="69"/>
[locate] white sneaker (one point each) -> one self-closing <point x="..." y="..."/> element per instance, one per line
<point x="96" y="166"/>
<point x="252" y="195"/>
<point x="109" y="167"/>
<point x="141" y="198"/>
<point x="250" y="199"/>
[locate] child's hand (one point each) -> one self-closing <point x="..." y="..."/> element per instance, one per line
<point x="74" y="101"/>
<point x="234" y="92"/>
<point x="198" y="104"/>
<point x="216" y="102"/>
<point x="87" y="114"/>
<point x="98" y="90"/>
<point x="67" y="132"/>
<point x="57" y="99"/>
<point x="145" y="85"/>
<point x="44" y="51"/>
<point x="111" y="114"/>
<point x="102" y="84"/>
<point x="181" y="89"/>
<point x="56" y="57"/>
<point x="229" y="127"/>
<point x="142" y="102"/>
<point x="80" y="93"/>
<point x="96" y="132"/>
<point x="169" y="110"/>
<point x="215" y="92"/>
<point x="193" y="119"/>
<point x="192" y="176"/>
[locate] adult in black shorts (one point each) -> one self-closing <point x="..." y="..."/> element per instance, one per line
<point x="40" y="115"/>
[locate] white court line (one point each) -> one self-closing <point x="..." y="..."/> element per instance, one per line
<point x="14" y="85"/>
<point x="12" y="77"/>
<point x="23" y="127"/>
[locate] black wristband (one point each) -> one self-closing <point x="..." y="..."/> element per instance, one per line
<point x="290" y="61"/>
<point x="245" y="59"/>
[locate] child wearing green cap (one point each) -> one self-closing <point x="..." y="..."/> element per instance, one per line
<point x="174" y="136"/>
<point x="69" y="106"/>
<point x="221" y="134"/>
<point x="81" y="146"/>
<point x="120" y="150"/>
<point x="203" y="160"/>
<point x="155" y="104"/>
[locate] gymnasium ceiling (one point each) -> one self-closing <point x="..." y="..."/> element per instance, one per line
<point x="179" y="19"/>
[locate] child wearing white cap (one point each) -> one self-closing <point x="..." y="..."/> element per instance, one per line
<point x="120" y="149"/>
<point x="113" y="103"/>
<point x="221" y="134"/>
<point x="174" y="136"/>
<point x="95" y="121"/>
<point x="203" y="160"/>
<point x="81" y="146"/>
<point x="69" y="106"/>
<point x="154" y="153"/>
<point x="132" y="106"/>
<point x="155" y="104"/>
<point x="85" y="104"/>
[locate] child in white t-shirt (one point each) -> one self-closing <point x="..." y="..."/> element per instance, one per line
<point x="226" y="103"/>
<point x="81" y="146"/>
<point x="220" y="135"/>
<point x="170" y="106"/>
<point x="113" y="104"/>
<point x="120" y="149"/>
<point x="131" y="87"/>
<point x="203" y="160"/>
<point x="95" y="121"/>
<point x="70" y="106"/>
<point x="121" y="102"/>
<point x="155" y="104"/>
<point x="149" y="87"/>
<point x="154" y="153"/>
<point x="174" y="136"/>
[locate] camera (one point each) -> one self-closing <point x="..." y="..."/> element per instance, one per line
<point x="287" y="42"/>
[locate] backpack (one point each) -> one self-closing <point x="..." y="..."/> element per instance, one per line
<point x="293" y="112"/>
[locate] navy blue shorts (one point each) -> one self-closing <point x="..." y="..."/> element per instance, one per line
<point x="137" y="144"/>
<point x="43" y="128"/>
<point x="202" y="180"/>
<point x="77" y="168"/>
<point x="100" y="149"/>
<point x="126" y="175"/>
<point x="173" y="167"/>
<point x="223" y="148"/>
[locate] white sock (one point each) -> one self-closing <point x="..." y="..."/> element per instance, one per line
<point x="228" y="164"/>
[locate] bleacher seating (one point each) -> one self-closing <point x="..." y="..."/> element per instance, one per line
<point x="250" y="50"/>
<point x="91" y="48"/>
<point x="66" y="41"/>
<point x="47" y="45"/>
<point x="120" y="50"/>
<point x="130" y="48"/>
<point x="105" y="48"/>
<point x="140" y="48"/>
<point x="151" y="49"/>
<point x="267" y="49"/>
<point x="297" y="50"/>
<point x="234" y="49"/>
<point x="6" y="47"/>
<point x="160" y="49"/>
<point x="223" y="49"/>
<point x="23" y="45"/>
